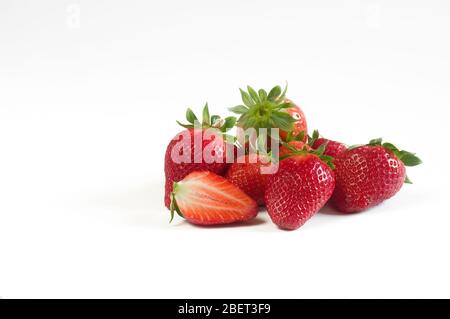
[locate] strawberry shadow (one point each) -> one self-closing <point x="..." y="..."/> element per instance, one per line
<point x="253" y="222"/>
<point x="328" y="209"/>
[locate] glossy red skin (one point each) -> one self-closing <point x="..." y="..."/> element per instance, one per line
<point x="300" y="188"/>
<point x="333" y="148"/>
<point x="177" y="171"/>
<point x="299" y="126"/>
<point x="299" y="145"/>
<point x="247" y="176"/>
<point x="365" y="177"/>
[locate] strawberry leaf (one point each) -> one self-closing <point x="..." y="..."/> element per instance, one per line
<point x="246" y="98"/>
<point x="190" y="116"/>
<point x="230" y="122"/>
<point x="274" y="93"/>
<point x="407" y="180"/>
<point x="285" y="105"/>
<point x="262" y="144"/>
<point x="262" y="95"/>
<point x="185" y="125"/>
<point x="214" y="119"/>
<point x="239" y="109"/>
<point x="391" y="147"/>
<point x="410" y="159"/>
<point x="316" y="134"/>
<point x="321" y="149"/>
<point x="312" y="139"/>
<point x="289" y="137"/>
<point x="300" y="136"/>
<point x="376" y="142"/>
<point x="283" y="121"/>
<point x="352" y="147"/>
<point x="253" y="94"/>
<point x="283" y="94"/>
<point x="206" y="117"/>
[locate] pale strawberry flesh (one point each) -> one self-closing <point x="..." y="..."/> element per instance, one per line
<point x="205" y="198"/>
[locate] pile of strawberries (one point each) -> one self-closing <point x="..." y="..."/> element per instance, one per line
<point x="310" y="170"/>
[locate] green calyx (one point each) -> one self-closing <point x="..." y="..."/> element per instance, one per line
<point x="318" y="152"/>
<point x="264" y="110"/>
<point x="313" y="138"/>
<point x="208" y="121"/>
<point x="173" y="203"/>
<point x="299" y="137"/>
<point x="408" y="158"/>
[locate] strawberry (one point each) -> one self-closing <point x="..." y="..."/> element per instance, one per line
<point x="301" y="187"/>
<point x="300" y="125"/>
<point x="245" y="173"/>
<point x="368" y="175"/>
<point x="270" y="110"/>
<point x="332" y="148"/>
<point x="205" y="198"/>
<point x="192" y="158"/>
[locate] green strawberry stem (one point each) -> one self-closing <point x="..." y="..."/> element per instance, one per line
<point x="299" y="137"/>
<point x="214" y="121"/>
<point x="313" y="138"/>
<point x="264" y="110"/>
<point x="408" y="158"/>
<point x="319" y="153"/>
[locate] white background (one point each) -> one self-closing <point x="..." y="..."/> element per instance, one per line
<point x="89" y="95"/>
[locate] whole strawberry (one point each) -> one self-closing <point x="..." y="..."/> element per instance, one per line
<point x="300" y="188"/>
<point x="332" y="148"/>
<point x="368" y="175"/>
<point x="201" y="147"/>
<point x="246" y="174"/>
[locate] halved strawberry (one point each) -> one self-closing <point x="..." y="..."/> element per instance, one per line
<point x="205" y="198"/>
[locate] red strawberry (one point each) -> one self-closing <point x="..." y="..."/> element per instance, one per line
<point x="205" y="198"/>
<point x="368" y="175"/>
<point x="300" y="125"/>
<point x="245" y="173"/>
<point x="192" y="158"/>
<point x="270" y="110"/>
<point x="300" y="188"/>
<point x="332" y="148"/>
